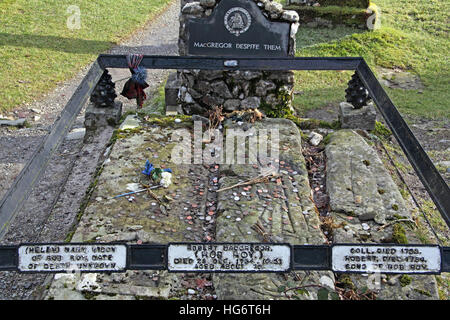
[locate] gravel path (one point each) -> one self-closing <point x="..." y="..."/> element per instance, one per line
<point x="51" y="209"/>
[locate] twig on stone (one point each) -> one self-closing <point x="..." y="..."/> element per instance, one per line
<point x="259" y="179"/>
<point x="394" y="222"/>
<point x="152" y="194"/>
<point x="259" y="228"/>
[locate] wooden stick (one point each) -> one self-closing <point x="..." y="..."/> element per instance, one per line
<point x="394" y="222"/>
<point x="248" y="182"/>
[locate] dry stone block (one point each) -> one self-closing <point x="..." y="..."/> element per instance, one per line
<point x="352" y="118"/>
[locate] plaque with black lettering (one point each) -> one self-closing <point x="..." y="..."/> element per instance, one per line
<point x="369" y="258"/>
<point x="72" y="258"/>
<point x="228" y="257"/>
<point x="237" y="28"/>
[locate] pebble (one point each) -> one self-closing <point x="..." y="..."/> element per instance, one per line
<point x="191" y="291"/>
<point x="365" y="226"/>
<point x="236" y="198"/>
<point x="238" y="219"/>
<point x="177" y="120"/>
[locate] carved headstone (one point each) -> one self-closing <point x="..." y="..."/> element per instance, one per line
<point x="236" y="28"/>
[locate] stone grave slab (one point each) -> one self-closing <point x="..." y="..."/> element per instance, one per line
<point x="365" y="202"/>
<point x="282" y="208"/>
<point x="142" y="220"/>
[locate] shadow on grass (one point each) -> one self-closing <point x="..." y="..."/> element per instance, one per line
<point x="70" y="45"/>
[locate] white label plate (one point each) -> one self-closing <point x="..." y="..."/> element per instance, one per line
<point x="386" y="259"/>
<point x="219" y="257"/>
<point x="72" y="258"/>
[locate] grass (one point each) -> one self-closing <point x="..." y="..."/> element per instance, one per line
<point x="413" y="37"/>
<point x="38" y="51"/>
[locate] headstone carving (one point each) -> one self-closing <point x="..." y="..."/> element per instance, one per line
<point x="237" y="28"/>
<point x="234" y="28"/>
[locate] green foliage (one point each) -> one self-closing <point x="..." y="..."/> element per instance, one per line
<point x="413" y="37"/>
<point x="381" y="131"/>
<point x="405" y="280"/>
<point x="399" y="234"/>
<point x="322" y="294"/>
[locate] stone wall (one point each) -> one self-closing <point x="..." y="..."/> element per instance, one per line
<point x="200" y="91"/>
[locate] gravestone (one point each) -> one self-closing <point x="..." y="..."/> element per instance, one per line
<point x="234" y="28"/>
<point x="331" y="13"/>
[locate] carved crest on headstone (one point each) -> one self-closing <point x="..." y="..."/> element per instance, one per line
<point x="237" y="20"/>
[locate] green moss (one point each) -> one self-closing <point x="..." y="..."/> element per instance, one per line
<point x="366" y="162"/>
<point x="381" y="191"/>
<point x="399" y="234"/>
<point x="89" y="295"/>
<point x="381" y="131"/>
<point x="281" y="110"/>
<point x="327" y="139"/>
<point x="425" y="293"/>
<point x="346" y="283"/>
<point x="404" y="193"/>
<point x="398" y="217"/>
<point x="405" y="280"/>
<point x="395" y="207"/>
<point x="167" y="121"/>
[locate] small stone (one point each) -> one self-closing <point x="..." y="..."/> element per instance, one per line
<point x="365" y="226"/>
<point x="191" y="291"/>
<point x="315" y="138"/>
<point x="177" y="120"/>
<point x="327" y="282"/>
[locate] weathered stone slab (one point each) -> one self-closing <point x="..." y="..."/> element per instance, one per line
<point x="13" y="123"/>
<point x="282" y="207"/>
<point x="365" y="204"/>
<point x="101" y="117"/>
<point x="352" y="118"/>
<point x="142" y="219"/>
<point x="172" y="89"/>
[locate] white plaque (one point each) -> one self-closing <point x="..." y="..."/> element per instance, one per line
<point x="72" y="257"/>
<point x="386" y="259"/>
<point x="237" y="257"/>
